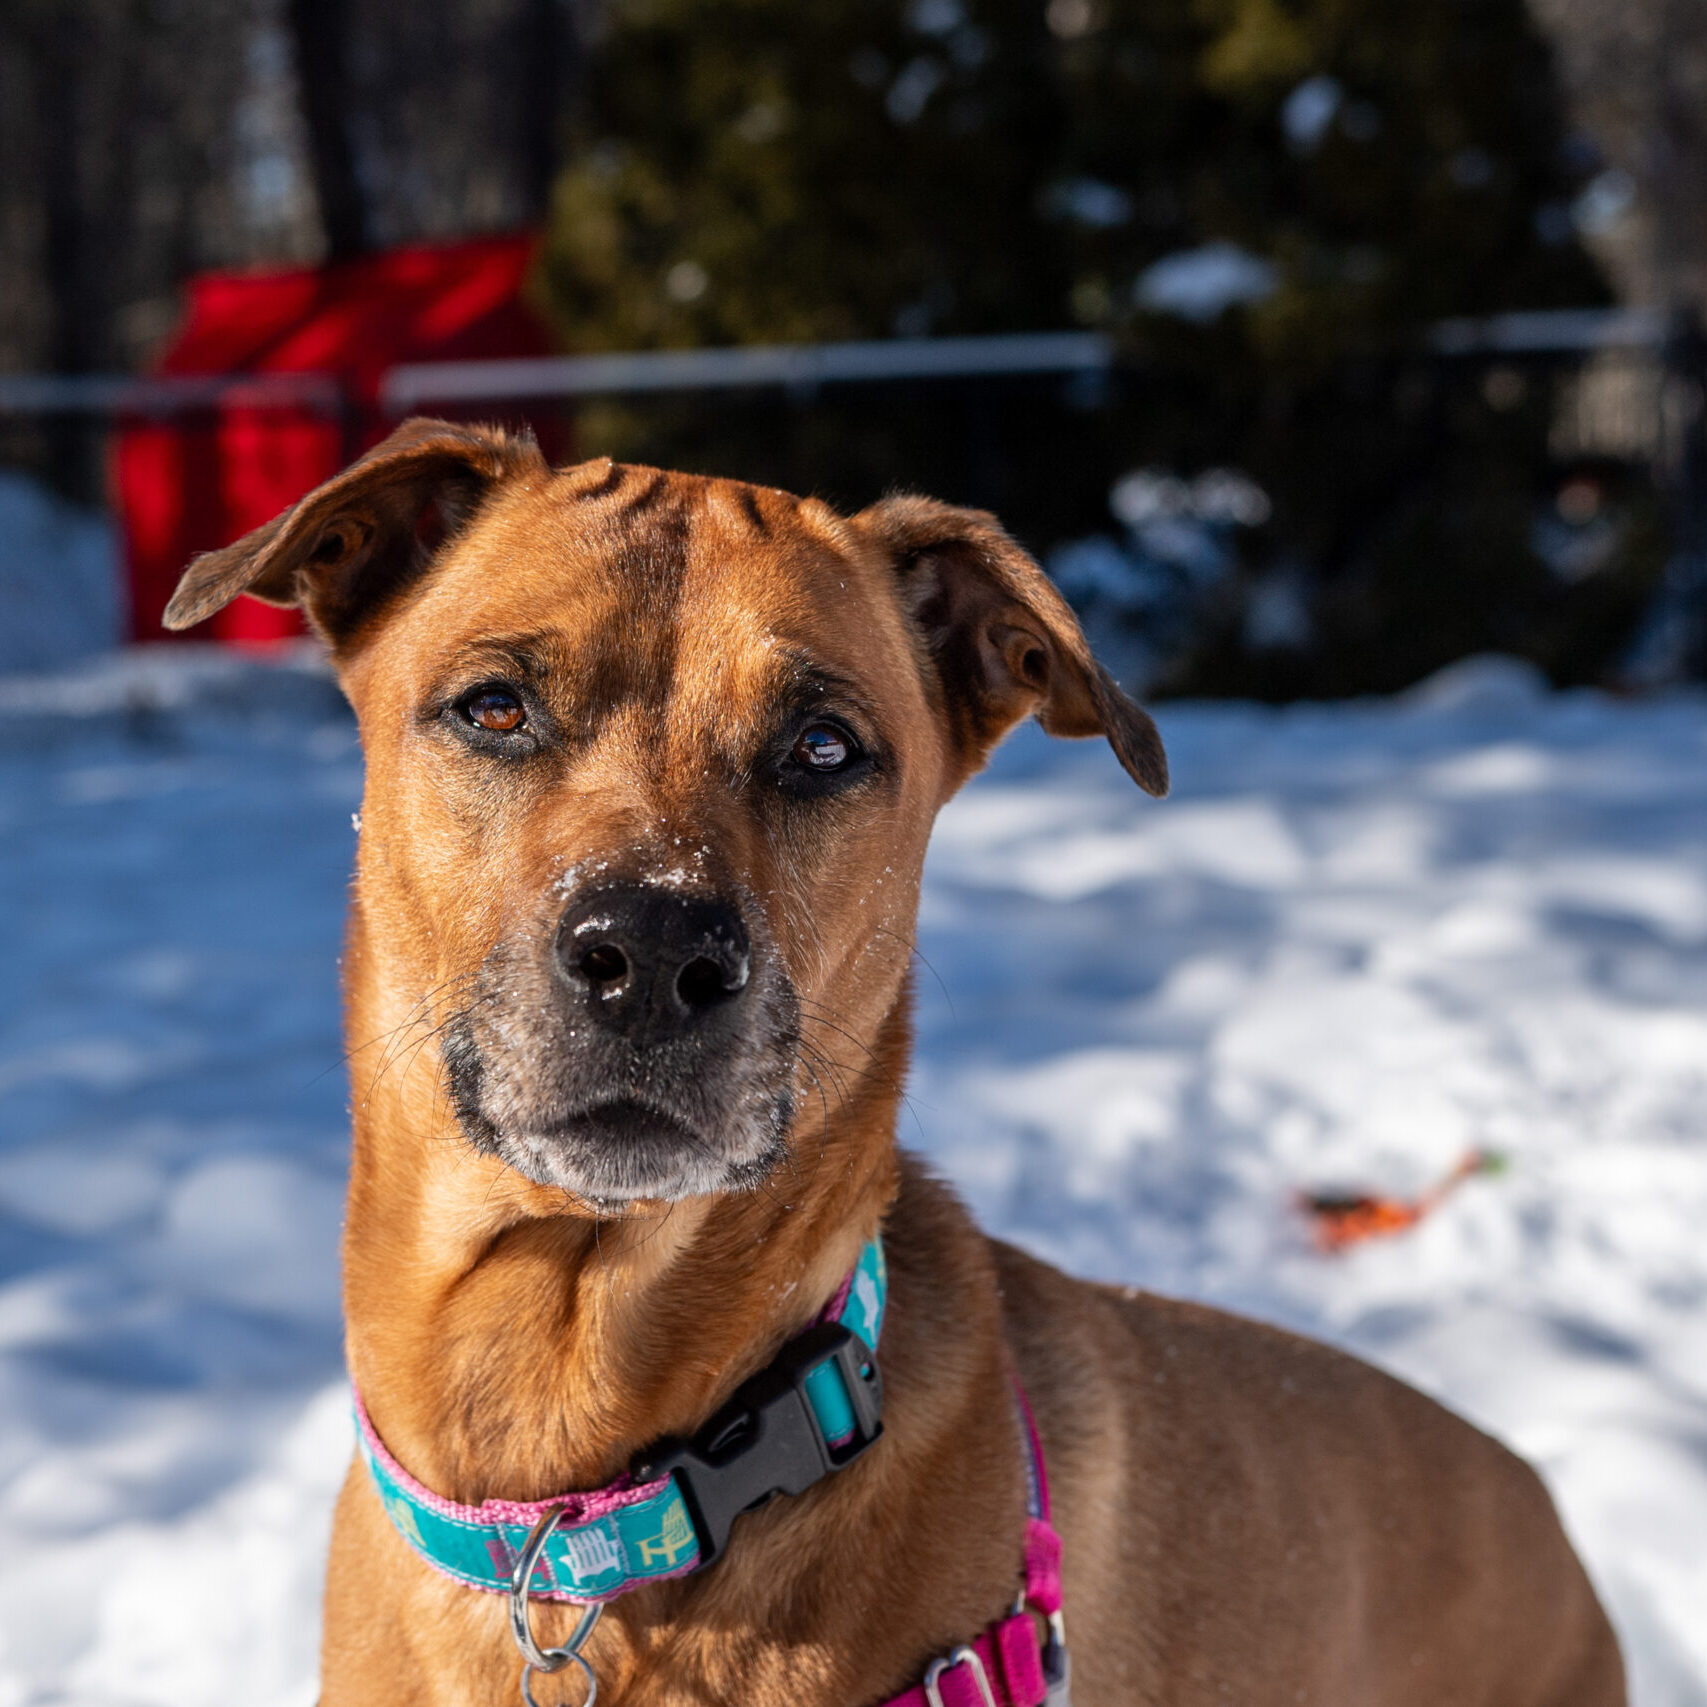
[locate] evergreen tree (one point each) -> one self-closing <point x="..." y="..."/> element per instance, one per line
<point x="1267" y="202"/>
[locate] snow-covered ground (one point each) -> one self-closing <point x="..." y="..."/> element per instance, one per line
<point x="60" y="585"/>
<point x="1358" y="940"/>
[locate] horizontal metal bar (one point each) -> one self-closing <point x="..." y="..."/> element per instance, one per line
<point x="797" y="366"/>
<point x="119" y="394"/>
<point x="793" y="366"/>
<point x="1553" y="331"/>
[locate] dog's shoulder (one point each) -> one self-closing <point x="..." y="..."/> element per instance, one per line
<point x="1177" y="1370"/>
<point x="1207" y="1456"/>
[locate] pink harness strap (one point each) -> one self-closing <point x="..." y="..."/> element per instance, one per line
<point x="1007" y="1665"/>
<point x="1008" y="1654"/>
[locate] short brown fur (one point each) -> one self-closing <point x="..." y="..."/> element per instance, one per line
<point x="1247" y="1517"/>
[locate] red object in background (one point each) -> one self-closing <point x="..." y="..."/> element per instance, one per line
<point x="196" y="482"/>
<point x="1340" y="1220"/>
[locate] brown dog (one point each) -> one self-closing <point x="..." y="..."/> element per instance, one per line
<point x="652" y="762"/>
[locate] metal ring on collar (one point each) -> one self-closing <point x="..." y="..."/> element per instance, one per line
<point x="534" y="1657"/>
<point x="961" y="1656"/>
<point x="586" y="1670"/>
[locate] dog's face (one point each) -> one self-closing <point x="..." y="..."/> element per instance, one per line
<point x="652" y="766"/>
<point x="652" y="762"/>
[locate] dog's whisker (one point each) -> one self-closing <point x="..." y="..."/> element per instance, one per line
<point x="829" y="1024"/>
<point x="874" y="1071"/>
<point x="912" y="947"/>
<point x="427" y="1035"/>
<point x="832" y="1069"/>
<point x="418" y="1015"/>
<point x="347" y="1057"/>
<point x="824" y="1125"/>
<point x="823" y="1099"/>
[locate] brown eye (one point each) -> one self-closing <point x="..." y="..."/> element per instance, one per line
<point x="823" y="747"/>
<point x="496" y="709"/>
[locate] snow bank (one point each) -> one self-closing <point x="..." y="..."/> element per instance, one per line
<point x="59" y="579"/>
<point x="174" y="842"/>
<point x="1202" y="284"/>
<point x="1355" y="941"/>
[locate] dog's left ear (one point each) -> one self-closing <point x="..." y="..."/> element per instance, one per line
<point x="1004" y="641"/>
<point x="345" y="549"/>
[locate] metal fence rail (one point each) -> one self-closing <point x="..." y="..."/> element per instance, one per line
<point x="792" y="366"/>
<point x="795" y="367"/>
<point x="1553" y="331"/>
<point x="119" y="394"/>
<point x="1622" y="386"/>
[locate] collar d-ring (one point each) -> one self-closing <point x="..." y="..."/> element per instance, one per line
<point x="586" y="1671"/>
<point x="534" y="1657"/>
<point x="961" y="1656"/>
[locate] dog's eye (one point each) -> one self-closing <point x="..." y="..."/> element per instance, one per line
<point x="496" y="709"/>
<point x="823" y="747"/>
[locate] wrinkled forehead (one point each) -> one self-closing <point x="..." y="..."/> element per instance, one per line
<point x="704" y="600"/>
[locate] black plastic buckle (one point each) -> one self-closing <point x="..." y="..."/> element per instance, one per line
<point x="766" y="1441"/>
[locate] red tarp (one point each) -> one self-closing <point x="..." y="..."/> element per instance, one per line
<point x="194" y="482"/>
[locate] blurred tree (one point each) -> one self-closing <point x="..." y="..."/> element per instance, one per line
<point x="1636" y="74"/>
<point x="108" y="176"/>
<point x="142" y="140"/>
<point x="453" y="110"/>
<point x="871" y="165"/>
<point x="1266" y="201"/>
<point x="320" y="35"/>
<point x="758" y="171"/>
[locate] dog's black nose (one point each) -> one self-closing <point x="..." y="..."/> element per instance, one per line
<point x="653" y="964"/>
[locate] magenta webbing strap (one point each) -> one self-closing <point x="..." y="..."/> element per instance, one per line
<point x="1008" y="1652"/>
<point x="1042" y="1544"/>
<point x="1009" y="1655"/>
<point x="1042" y="1567"/>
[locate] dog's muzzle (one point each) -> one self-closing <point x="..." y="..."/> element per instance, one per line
<point x="649" y="1052"/>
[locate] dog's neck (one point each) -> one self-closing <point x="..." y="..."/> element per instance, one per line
<point x="509" y="1344"/>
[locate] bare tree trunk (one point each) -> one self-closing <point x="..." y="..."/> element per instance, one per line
<point x="1677" y="157"/>
<point x="541" y="31"/>
<point x="319" y="29"/>
<point x="74" y="306"/>
<point x="1636" y="71"/>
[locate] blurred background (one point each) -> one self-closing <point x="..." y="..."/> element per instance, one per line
<point x="1392" y="350"/>
<point x="1342" y="360"/>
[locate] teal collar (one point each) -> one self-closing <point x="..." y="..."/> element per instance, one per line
<point x="810" y="1412"/>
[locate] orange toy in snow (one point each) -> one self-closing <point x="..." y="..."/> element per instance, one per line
<point x="1337" y="1222"/>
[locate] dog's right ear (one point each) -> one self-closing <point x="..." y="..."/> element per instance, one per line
<point x="341" y="552"/>
<point x="1003" y="641"/>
